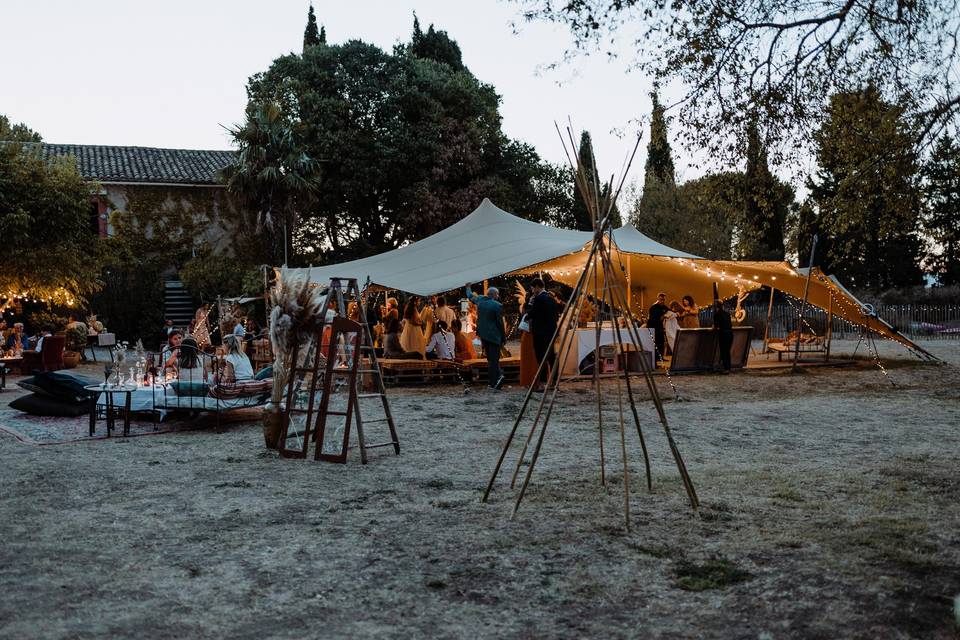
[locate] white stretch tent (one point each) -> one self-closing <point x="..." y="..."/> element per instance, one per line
<point x="487" y="243"/>
<point x="490" y="242"/>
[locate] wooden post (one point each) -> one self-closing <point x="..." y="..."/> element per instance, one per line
<point x="766" y="328"/>
<point x="829" y="326"/>
<point x="803" y="304"/>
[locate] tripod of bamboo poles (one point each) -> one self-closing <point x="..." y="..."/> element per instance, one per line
<point x="599" y="267"/>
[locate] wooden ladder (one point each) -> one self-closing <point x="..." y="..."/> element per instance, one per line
<point x="319" y="366"/>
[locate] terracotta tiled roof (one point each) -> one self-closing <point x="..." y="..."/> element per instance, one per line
<point x="144" y="164"/>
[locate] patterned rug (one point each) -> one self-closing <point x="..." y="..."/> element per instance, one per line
<point x="42" y="430"/>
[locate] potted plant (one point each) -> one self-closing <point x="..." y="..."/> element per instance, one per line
<point x="75" y="343"/>
<point x="297" y="311"/>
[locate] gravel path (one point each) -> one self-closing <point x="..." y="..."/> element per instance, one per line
<point x="830" y="508"/>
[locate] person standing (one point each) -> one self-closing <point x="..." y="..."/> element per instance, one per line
<point x="491" y="331"/>
<point x="655" y="322"/>
<point x="691" y="313"/>
<point x="412" y="337"/>
<point x="444" y="312"/>
<point x="543" y="312"/>
<point x="671" y="324"/>
<point x="723" y="325"/>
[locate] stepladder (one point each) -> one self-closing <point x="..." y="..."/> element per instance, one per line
<point x="334" y="384"/>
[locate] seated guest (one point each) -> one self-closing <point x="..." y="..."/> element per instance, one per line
<point x="391" y="343"/>
<point x="44" y="332"/>
<point x="442" y="343"/>
<point x="463" y="347"/>
<point x="189" y="362"/>
<point x="17" y="339"/>
<point x="691" y="313"/>
<point x="171" y="351"/>
<point x="237" y="365"/>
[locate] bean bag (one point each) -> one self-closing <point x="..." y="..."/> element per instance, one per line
<point x="36" y="404"/>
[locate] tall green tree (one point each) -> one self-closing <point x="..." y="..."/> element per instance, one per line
<point x="711" y="207"/>
<point x="436" y="45"/>
<point x="407" y="144"/>
<point x="274" y="176"/>
<point x="942" y="200"/>
<point x="767" y="204"/>
<point x="311" y="35"/>
<point x="50" y="253"/>
<point x="867" y="193"/>
<point x="656" y="213"/>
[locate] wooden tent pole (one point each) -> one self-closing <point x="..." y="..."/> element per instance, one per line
<point x="803" y="304"/>
<point x="766" y="329"/>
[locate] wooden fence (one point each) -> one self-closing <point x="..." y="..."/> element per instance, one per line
<point x="936" y="322"/>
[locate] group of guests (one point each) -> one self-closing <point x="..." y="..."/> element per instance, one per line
<point x="427" y="329"/>
<point x="666" y="321"/>
<point x="14" y="339"/>
<point x="184" y="359"/>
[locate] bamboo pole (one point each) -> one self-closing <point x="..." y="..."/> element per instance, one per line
<point x="526" y="399"/>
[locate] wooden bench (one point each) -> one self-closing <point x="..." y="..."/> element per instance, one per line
<point x="410" y="372"/>
<point x="810" y="344"/>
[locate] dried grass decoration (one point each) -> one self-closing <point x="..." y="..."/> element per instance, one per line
<point x="297" y="311"/>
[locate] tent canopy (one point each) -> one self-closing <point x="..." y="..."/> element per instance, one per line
<point x="490" y="242"/>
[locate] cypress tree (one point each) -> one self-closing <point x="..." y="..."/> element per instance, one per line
<point x="656" y="213"/>
<point x="942" y="221"/>
<point x="311" y="35"/>
<point x="323" y="34"/>
<point x="582" y="217"/>
<point x="765" y="206"/>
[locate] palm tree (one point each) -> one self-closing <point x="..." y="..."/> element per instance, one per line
<point x="274" y="176"/>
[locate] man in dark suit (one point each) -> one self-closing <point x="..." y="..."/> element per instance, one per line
<point x="655" y="322"/>
<point x="724" y="328"/>
<point x="542" y="311"/>
<point x="491" y="331"/>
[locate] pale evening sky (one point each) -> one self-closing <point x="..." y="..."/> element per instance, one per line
<point x="130" y="72"/>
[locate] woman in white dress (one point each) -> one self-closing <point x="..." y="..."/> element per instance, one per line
<point x="671" y="324"/>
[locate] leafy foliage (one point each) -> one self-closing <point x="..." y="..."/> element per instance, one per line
<point x="780" y="59"/>
<point x="44" y="222"/>
<point x="942" y="219"/>
<point x="213" y="273"/>
<point x="435" y="45"/>
<point x="17" y="132"/>
<point x="866" y="195"/>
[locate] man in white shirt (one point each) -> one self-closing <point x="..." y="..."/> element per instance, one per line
<point x="444" y="312"/>
<point x="239" y="330"/>
<point x="442" y="344"/>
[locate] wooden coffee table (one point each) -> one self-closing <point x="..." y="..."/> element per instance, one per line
<point x="111" y="409"/>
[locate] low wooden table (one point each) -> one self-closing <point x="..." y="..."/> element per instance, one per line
<point x="110" y="408"/>
<point x="5" y="364"/>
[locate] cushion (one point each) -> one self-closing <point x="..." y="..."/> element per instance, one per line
<point x="40" y="405"/>
<point x="31" y="386"/>
<point x="63" y="386"/>
<point x="230" y="390"/>
<point x="189" y="389"/>
<point x="263" y="374"/>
